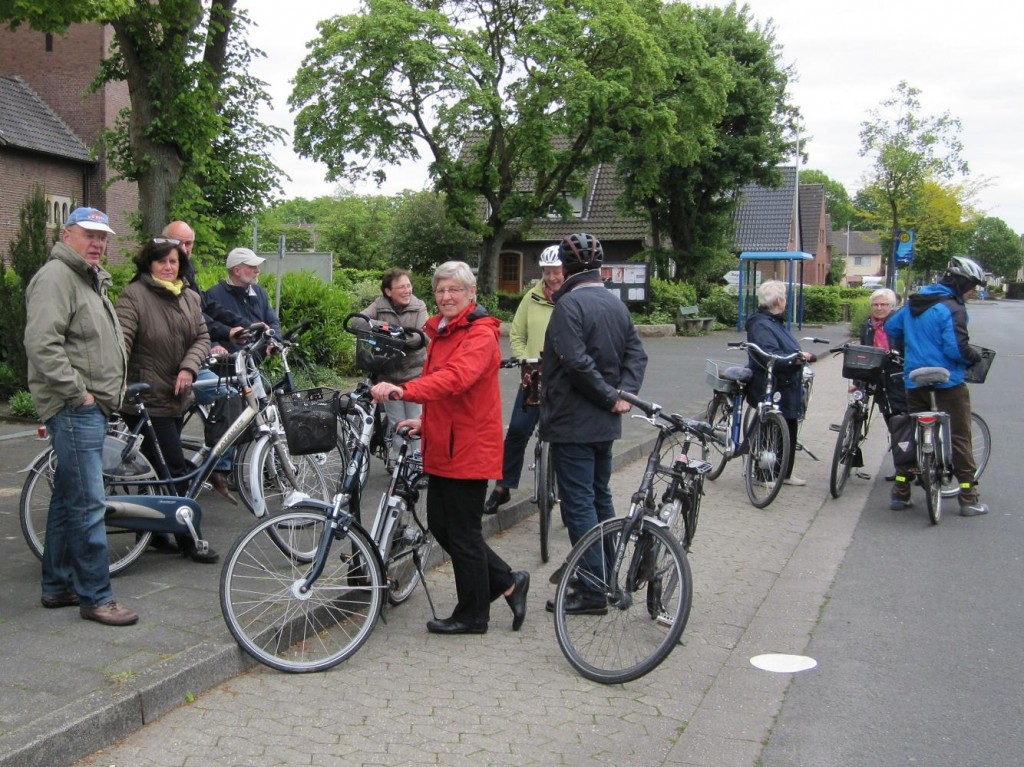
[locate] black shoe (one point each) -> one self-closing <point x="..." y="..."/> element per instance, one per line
<point x="162" y="543"/>
<point x="189" y="550"/>
<point x="517" y="599"/>
<point x="498" y="496"/>
<point x="63" y="599"/>
<point x="455" y="626"/>
<point x="582" y="603"/>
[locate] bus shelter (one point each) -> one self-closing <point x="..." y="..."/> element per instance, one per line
<point x="784" y="265"/>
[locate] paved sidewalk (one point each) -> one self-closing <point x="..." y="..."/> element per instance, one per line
<point x="70" y="688"/>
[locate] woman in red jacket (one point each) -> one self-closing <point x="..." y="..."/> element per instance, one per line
<point x="461" y="427"/>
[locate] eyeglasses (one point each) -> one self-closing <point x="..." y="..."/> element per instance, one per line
<point x="881" y="306"/>
<point x="442" y="292"/>
<point x="165" y="241"/>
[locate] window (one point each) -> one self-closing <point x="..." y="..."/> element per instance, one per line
<point x="858" y="260"/>
<point x="57" y="210"/>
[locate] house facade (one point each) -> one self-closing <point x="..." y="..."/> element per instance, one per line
<point x="50" y="124"/>
<point x="862" y="252"/>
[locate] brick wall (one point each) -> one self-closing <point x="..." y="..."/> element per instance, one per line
<point x="61" y="76"/>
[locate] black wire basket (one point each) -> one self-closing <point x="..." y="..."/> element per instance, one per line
<point x="310" y="419"/>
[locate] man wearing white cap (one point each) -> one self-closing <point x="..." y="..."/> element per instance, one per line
<point x="241" y="291"/>
<point x="76" y="374"/>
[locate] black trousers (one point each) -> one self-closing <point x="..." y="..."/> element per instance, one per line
<point x="454" y="512"/>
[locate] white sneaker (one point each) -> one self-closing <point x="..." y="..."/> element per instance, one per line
<point x="794" y="481"/>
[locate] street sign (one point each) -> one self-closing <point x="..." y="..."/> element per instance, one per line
<point x="905" y="248"/>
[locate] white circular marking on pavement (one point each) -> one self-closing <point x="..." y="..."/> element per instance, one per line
<point x="783" y="664"/>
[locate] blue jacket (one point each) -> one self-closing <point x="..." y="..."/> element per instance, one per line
<point x="932" y="327"/>
<point x="251" y="306"/>
<point x="769" y="331"/>
<point x="591" y="350"/>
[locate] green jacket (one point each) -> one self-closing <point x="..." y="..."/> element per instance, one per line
<point x="526" y="336"/>
<point x="73" y="340"/>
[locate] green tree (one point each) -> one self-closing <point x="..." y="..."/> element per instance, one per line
<point x="908" y="149"/>
<point x="28" y="251"/>
<point x="191" y="139"/>
<point x="421" y="235"/>
<point x="514" y="100"/>
<point x="717" y="148"/>
<point x="837" y="199"/>
<point x="996" y="247"/>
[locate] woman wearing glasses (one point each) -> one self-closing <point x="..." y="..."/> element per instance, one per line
<point x="461" y="426"/>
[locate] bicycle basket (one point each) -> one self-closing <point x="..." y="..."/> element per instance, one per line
<point x="310" y="419"/>
<point x="376" y="352"/>
<point x="863" y="363"/>
<point x="715" y="376"/>
<point x="978" y="372"/>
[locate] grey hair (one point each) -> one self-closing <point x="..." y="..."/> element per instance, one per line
<point x="770" y="293"/>
<point x="454" y="270"/>
<point x="885" y="293"/>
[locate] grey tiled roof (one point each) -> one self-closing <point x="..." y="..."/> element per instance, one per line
<point x="812" y="198"/>
<point x="861" y="243"/>
<point x="26" y="122"/>
<point x="764" y="215"/>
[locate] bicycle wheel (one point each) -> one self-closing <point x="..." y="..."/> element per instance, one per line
<point x="273" y="489"/>
<point x="411" y="544"/>
<point x="931" y="472"/>
<point x="123" y="546"/>
<point x="767" y="459"/>
<point x="292" y="631"/>
<point x="719" y="415"/>
<point x="547" y="494"/>
<point x="639" y="611"/>
<point x="240" y="467"/>
<point x="981" y="444"/>
<point x="847" y="443"/>
<point x="348" y="435"/>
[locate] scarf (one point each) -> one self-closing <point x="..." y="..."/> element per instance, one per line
<point x="880" y="338"/>
<point x="174" y="287"/>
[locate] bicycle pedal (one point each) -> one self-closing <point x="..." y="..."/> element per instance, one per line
<point x="833" y="427"/>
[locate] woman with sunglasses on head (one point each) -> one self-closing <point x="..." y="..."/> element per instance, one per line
<point x="166" y="341"/>
<point x="461" y="427"/>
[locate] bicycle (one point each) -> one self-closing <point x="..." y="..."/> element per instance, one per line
<point x="144" y="498"/>
<point x="934" y="443"/>
<point x="313" y="602"/>
<point x="759" y="433"/>
<point x="378" y="345"/>
<point x="545" y="490"/>
<point x="636" y="566"/>
<point x="806" y="392"/>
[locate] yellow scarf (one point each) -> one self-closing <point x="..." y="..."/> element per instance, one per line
<point x="175" y="287"/>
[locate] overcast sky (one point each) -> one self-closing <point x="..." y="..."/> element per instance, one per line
<point x="965" y="57"/>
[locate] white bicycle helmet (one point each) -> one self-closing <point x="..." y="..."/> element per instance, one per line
<point x="967" y="268"/>
<point x="549" y="256"/>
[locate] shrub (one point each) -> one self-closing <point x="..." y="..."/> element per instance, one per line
<point x="821" y="304"/>
<point x="22" y="405"/>
<point x="722" y="306"/>
<point x="667" y="297"/>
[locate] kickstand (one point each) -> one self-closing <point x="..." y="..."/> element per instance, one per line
<point x="801" y="447"/>
<point x="423" y="579"/>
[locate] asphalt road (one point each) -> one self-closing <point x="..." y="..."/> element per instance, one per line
<point x="919" y="647"/>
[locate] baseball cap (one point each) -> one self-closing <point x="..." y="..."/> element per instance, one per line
<point x="245" y="256"/>
<point x="89" y="218"/>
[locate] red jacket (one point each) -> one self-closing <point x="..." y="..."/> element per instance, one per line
<point x="462" y="430"/>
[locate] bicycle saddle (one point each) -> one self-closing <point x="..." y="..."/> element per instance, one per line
<point x="929" y="376"/>
<point x="738" y="373"/>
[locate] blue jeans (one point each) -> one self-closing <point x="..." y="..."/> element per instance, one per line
<point x="520" y="429"/>
<point x="75" y="551"/>
<point x="583" y="473"/>
<point x="207" y="395"/>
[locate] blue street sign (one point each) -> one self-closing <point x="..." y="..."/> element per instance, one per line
<point x="905" y="248"/>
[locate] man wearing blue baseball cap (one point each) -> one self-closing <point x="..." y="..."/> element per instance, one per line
<point x="76" y="374"/>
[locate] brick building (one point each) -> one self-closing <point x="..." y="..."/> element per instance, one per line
<point x="50" y="124"/>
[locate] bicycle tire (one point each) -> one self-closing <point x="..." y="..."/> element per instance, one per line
<point x="348" y="435"/>
<point x="767" y="459"/>
<point x="847" y="442"/>
<point x="411" y="542"/>
<point x="930" y="480"/>
<point x="547" y="495"/>
<point x="240" y="472"/>
<point x="719" y="415"/>
<point x="124" y="547"/>
<point x="981" y="444"/>
<point x="294" y="632"/>
<point x="648" y="602"/>
<point x="273" y="491"/>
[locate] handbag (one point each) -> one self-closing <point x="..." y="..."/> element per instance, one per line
<point x="223" y="412"/>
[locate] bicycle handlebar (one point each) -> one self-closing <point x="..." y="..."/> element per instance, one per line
<point x="769" y="355"/>
<point x="408" y="336"/>
<point x="654" y="410"/>
<point x="514" y="362"/>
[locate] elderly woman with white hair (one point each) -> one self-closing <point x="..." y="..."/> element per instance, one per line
<point x="767" y="328"/>
<point x="462" y="447"/>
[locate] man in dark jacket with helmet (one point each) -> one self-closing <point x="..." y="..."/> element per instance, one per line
<point x="591" y="351"/>
<point x="933" y="329"/>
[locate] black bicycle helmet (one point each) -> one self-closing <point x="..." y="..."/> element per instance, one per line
<point x="579" y="252"/>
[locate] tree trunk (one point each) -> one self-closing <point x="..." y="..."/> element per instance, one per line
<point x="490" y="250"/>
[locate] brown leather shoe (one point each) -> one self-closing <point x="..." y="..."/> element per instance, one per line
<point x="219" y="481"/>
<point x="109" y="614"/>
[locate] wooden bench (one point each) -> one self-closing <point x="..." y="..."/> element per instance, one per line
<point x="687" y="320"/>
